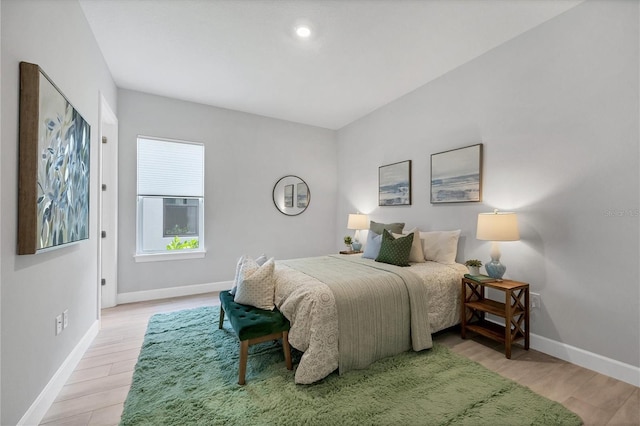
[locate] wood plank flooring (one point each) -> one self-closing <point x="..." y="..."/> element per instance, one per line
<point x="96" y="391"/>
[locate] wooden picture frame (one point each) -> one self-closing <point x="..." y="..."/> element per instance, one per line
<point x="456" y="175"/>
<point x="394" y="184"/>
<point x="54" y="166"/>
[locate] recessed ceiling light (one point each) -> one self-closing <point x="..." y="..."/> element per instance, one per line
<point x="303" y="31"/>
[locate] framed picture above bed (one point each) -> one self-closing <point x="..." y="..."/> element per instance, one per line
<point x="394" y="184"/>
<point x="456" y="175"/>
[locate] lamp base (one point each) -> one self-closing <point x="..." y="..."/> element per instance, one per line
<point x="495" y="269"/>
<point x="356" y="245"/>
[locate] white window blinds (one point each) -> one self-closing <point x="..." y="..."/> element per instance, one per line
<point x="170" y="168"/>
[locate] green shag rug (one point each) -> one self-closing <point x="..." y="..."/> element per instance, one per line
<point x="187" y="374"/>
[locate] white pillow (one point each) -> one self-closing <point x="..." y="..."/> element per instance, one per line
<point x="259" y="260"/>
<point x="416" y="254"/>
<point x="440" y="246"/>
<point x="256" y="285"/>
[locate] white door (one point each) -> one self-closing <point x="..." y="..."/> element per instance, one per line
<point x="108" y="218"/>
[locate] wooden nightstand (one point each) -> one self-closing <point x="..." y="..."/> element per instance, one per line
<point x="515" y="311"/>
<point x="350" y="252"/>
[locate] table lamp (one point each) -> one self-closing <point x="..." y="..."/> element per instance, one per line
<point x="357" y="221"/>
<point x="494" y="227"/>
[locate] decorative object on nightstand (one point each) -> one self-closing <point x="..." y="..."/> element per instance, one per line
<point x="474" y="266"/>
<point x="357" y="221"/>
<point x="494" y="227"/>
<point x="514" y="310"/>
<point x="348" y="242"/>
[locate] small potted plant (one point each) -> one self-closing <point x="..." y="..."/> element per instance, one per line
<point x="474" y="266"/>
<point x="347" y="242"/>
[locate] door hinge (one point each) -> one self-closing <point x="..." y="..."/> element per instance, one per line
<point x="103" y="234"/>
<point x="104" y="186"/>
<point x="104" y="139"/>
<point x="103" y="282"/>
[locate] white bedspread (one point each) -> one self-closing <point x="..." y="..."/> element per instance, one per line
<point x="310" y="305"/>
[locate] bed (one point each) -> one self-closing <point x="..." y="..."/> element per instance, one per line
<point x="347" y="311"/>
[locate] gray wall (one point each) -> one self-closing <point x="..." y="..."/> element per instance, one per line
<point x="36" y="288"/>
<point x="1" y="207"/>
<point x="557" y="111"/>
<point x="245" y="155"/>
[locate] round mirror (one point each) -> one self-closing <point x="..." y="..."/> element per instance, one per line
<point x="291" y="195"/>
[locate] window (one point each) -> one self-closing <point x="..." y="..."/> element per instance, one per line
<point x="180" y="217"/>
<point x="170" y="205"/>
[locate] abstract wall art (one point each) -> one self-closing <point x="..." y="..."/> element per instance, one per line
<point x="394" y="184"/>
<point x="53" y="183"/>
<point x="456" y="175"/>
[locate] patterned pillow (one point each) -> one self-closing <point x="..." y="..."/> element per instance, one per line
<point x="372" y="248"/>
<point x="259" y="260"/>
<point x="416" y="255"/>
<point x="256" y="285"/>
<point x="395" y="251"/>
<point x="392" y="227"/>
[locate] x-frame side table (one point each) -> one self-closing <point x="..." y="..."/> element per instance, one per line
<point x="514" y="310"/>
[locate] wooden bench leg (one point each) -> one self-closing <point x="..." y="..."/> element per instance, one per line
<point x="221" y="317"/>
<point x="242" y="368"/>
<point x="287" y="349"/>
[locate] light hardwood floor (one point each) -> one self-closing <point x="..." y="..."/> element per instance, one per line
<point x="95" y="393"/>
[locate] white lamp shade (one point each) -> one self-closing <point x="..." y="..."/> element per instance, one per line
<point x="358" y="221"/>
<point x="498" y="226"/>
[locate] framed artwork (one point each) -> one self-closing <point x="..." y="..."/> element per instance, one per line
<point x="54" y="160"/>
<point x="456" y="175"/>
<point x="288" y="195"/>
<point x="302" y="195"/>
<point x="394" y="184"/>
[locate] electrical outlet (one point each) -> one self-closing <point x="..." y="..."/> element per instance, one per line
<point x="535" y="301"/>
<point x="58" y="324"/>
<point x="65" y="318"/>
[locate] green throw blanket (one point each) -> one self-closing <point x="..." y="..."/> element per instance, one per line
<point x="382" y="309"/>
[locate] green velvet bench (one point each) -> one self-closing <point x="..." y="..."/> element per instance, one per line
<point x="252" y="325"/>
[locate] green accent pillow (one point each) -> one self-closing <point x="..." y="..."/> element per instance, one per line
<point x="392" y="227"/>
<point x="395" y="251"/>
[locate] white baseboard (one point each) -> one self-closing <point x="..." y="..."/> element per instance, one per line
<point x="41" y="405"/>
<point x="163" y="293"/>
<point x="592" y="361"/>
<point x="607" y="366"/>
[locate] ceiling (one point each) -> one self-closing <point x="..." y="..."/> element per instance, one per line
<point x="244" y="54"/>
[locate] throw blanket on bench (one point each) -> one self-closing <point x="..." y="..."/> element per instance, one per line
<point x="381" y="310"/>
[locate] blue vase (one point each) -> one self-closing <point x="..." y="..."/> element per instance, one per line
<point x="495" y="269"/>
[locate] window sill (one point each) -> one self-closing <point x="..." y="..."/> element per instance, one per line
<point x="161" y="257"/>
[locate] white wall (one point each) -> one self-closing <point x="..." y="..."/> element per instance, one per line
<point x="557" y="111"/>
<point x="245" y="155"/>
<point x="1" y="207"/>
<point x="36" y="288"/>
